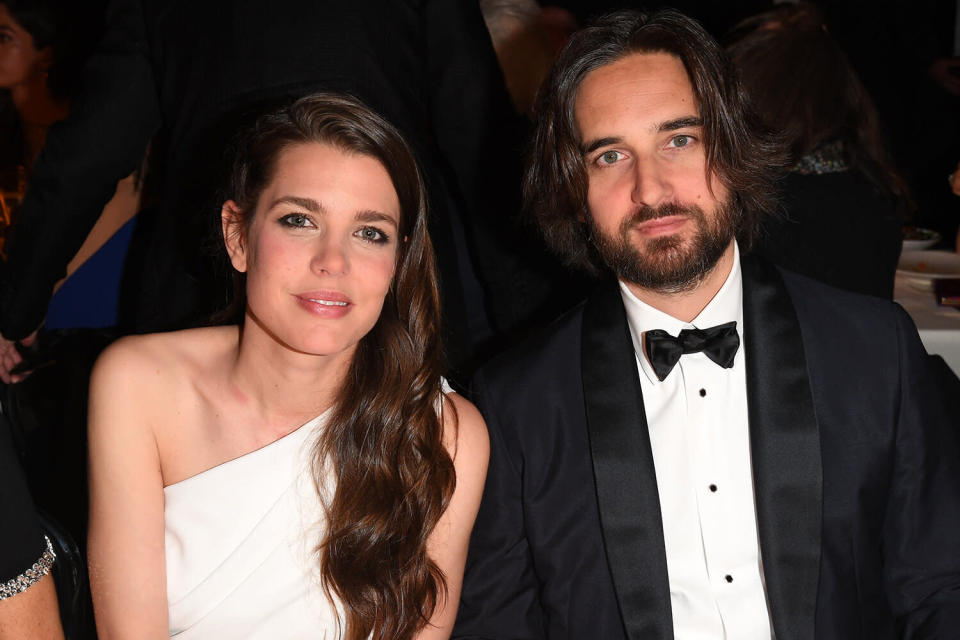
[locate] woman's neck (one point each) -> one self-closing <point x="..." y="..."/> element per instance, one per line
<point x="36" y="106"/>
<point x="37" y="109"/>
<point x="283" y="386"/>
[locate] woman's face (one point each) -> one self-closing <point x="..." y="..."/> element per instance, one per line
<point x="320" y="250"/>
<point x="20" y="61"/>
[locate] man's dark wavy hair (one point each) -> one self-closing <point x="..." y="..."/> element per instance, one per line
<point x="742" y="155"/>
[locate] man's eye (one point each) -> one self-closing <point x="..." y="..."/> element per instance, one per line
<point x="609" y="157"/>
<point x="297" y="220"/>
<point x="680" y="141"/>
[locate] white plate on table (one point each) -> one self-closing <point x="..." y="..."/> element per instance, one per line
<point x="923" y="267"/>
<point x="917" y="238"/>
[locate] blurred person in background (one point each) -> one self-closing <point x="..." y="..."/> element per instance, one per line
<point x="844" y="202"/>
<point x="43" y="44"/>
<point x="28" y="600"/>
<point x="36" y="85"/>
<point x="191" y="73"/>
<point x="527" y="39"/>
<point x="907" y="53"/>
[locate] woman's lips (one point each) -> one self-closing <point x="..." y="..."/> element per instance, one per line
<point x="327" y="304"/>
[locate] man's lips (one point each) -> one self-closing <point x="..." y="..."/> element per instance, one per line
<point x="660" y="226"/>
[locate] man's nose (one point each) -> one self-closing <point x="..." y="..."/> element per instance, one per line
<point x="651" y="183"/>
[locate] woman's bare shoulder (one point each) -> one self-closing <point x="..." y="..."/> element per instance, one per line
<point x="158" y="365"/>
<point x="167" y="354"/>
<point x="465" y="434"/>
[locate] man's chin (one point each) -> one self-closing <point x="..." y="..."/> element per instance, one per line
<point x="666" y="277"/>
<point x="668" y="264"/>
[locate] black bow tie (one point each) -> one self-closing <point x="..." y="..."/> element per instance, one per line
<point x="719" y="343"/>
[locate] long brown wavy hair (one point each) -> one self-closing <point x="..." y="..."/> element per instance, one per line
<point x="804" y="86"/>
<point x="383" y="443"/>
<point x="740" y="151"/>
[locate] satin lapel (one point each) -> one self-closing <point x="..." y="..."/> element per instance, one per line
<point x="785" y="443"/>
<point x="623" y="469"/>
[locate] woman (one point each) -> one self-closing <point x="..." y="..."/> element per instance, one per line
<point x="212" y="514"/>
<point x="28" y="70"/>
<point x="844" y="201"/>
<point x="28" y="600"/>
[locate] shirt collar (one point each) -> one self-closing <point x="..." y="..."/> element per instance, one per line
<point x="725" y="306"/>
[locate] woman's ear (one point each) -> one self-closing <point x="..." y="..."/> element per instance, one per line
<point x="231" y="224"/>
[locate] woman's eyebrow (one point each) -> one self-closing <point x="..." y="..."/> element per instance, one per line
<point x="369" y="215"/>
<point x="307" y="203"/>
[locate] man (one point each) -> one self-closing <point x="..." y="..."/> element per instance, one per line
<point x="709" y="447"/>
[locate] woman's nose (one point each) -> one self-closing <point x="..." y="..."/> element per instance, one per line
<point x="330" y="257"/>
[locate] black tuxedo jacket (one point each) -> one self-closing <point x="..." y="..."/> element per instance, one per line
<point x="854" y="467"/>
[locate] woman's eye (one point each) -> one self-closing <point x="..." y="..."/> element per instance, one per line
<point x="680" y="141"/>
<point x="372" y="234"/>
<point x="609" y="157"/>
<point x="297" y="220"/>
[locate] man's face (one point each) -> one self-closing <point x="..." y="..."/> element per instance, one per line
<point x="658" y="220"/>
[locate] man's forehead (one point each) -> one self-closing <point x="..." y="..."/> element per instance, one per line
<point x="645" y="89"/>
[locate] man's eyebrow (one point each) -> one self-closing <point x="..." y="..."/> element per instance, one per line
<point x="310" y="205"/>
<point x="369" y="215"/>
<point x="669" y="125"/>
<point x="593" y="145"/>
<point x="680" y="123"/>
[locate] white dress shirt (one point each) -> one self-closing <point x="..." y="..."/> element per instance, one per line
<point x="699" y="433"/>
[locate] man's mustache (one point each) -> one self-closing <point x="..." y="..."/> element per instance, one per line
<point x="647" y="213"/>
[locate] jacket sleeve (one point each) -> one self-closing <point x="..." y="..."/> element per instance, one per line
<point x="102" y="141"/>
<point x="921" y="542"/>
<point x="500" y="590"/>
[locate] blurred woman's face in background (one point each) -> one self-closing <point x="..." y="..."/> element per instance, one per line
<point x="20" y="61"/>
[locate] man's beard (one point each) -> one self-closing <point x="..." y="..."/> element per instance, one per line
<point x="669" y="263"/>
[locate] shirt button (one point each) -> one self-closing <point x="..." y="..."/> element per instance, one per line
<point x="728" y="578"/>
<point x="713" y="488"/>
<point x="703" y="392"/>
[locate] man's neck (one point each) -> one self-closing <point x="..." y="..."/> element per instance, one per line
<point x="687" y="305"/>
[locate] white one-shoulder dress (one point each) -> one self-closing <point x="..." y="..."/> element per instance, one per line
<point x="240" y="547"/>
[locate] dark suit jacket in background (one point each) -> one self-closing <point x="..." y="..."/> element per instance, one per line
<point x="194" y="72"/>
<point x="854" y="467"/>
<point x="837" y="228"/>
